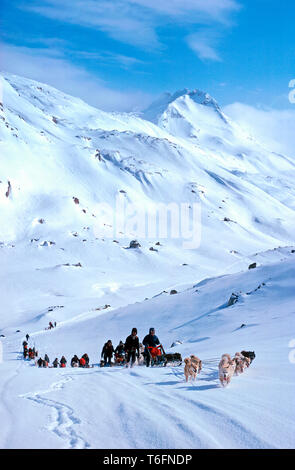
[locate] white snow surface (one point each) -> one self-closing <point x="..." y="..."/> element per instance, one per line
<point x="54" y="148"/>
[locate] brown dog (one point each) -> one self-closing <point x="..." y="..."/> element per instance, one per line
<point x="190" y="371"/>
<point x="226" y="369"/>
<point x="197" y="363"/>
<point x="241" y="363"/>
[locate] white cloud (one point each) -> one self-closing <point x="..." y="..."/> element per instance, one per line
<point x="276" y="128"/>
<point x="50" y="67"/>
<point x="204" y="45"/>
<point x="134" y="21"/>
<point x="205" y="9"/>
<point x="117" y="18"/>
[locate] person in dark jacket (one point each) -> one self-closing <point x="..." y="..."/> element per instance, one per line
<point x="25" y="345"/>
<point x="120" y="349"/>
<point x="132" y="347"/>
<point x="75" y="361"/>
<point x="63" y="362"/>
<point x="31" y="354"/>
<point x="40" y="362"/>
<point x="55" y="363"/>
<point x="46" y="359"/>
<point x="150" y="340"/>
<point x="27" y="336"/>
<point x="107" y="352"/>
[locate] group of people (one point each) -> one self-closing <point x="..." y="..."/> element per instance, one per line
<point x="126" y="352"/>
<point x="51" y="325"/>
<point x="75" y="361"/>
<point x="131" y="349"/>
<point x="30" y="353"/>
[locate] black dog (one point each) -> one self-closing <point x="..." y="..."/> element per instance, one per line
<point x="250" y="354"/>
<point x="173" y="357"/>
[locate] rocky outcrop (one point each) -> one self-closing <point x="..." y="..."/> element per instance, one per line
<point x="233" y="299"/>
<point x="134" y="244"/>
<point x="252" y="266"/>
<point x="8" y="192"/>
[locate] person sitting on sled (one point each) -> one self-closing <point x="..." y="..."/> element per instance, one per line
<point x="75" y="361"/>
<point x="86" y="359"/>
<point x="63" y="362"/>
<point x="120" y="349"/>
<point x="120" y="353"/>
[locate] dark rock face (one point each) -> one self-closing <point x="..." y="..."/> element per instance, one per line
<point x="233" y="299"/>
<point x="7" y="194"/>
<point x="134" y="244"/>
<point x="173" y="292"/>
<point x="252" y="266"/>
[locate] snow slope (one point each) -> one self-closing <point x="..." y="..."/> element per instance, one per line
<point x="62" y="261"/>
<point x="55" y="148"/>
<point x="155" y="408"/>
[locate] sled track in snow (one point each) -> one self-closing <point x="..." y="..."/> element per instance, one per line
<point x="63" y="417"/>
<point x="215" y="415"/>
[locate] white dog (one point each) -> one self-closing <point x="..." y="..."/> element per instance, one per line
<point x="226" y="369"/>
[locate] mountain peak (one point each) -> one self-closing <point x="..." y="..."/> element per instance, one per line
<point x="159" y="106"/>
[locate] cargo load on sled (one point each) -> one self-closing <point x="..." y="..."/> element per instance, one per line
<point x="158" y="357"/>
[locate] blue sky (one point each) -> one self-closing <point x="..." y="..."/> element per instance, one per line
<point x="120" y="54"/>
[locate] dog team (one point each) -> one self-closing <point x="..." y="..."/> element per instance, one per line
<point x="227" y="366"/>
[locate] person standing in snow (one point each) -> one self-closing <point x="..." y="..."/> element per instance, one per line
<point x="26" y="352"/>
<point x="27" y="336"/>
<point x="150" y="340"/>
<point x="107" y="352"/>
<point x="25" y="346"/>
<point x="132" y="347"/>
<point x="55" y="363"/>
<point x="40" y="362"/>
<point x="46" y="359"/>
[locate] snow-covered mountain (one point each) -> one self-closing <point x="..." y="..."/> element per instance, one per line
<point x="61" y="260"/>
